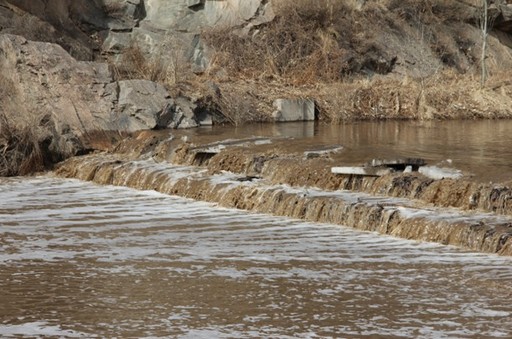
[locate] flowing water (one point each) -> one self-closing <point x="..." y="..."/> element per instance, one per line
<point x="479" y="148"/>
<point x="80" y="260"/>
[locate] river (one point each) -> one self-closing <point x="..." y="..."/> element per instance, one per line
<point x="81" y="260"/>
<point x="480" y="149"/>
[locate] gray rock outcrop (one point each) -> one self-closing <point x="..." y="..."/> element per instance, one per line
<point x="79" y="96"/>
<point x="144" y="104"/>
<point x="47" y="80"/>
<point x="71" y="24"/>
<point x="139" y="104"/>
<point x="170" y="29"/>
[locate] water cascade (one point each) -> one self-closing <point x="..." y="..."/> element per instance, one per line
<point x="257" y="176"/>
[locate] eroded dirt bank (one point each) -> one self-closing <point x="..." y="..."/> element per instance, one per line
<point x="270" y="176"/>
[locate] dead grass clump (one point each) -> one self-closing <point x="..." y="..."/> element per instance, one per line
<point x="7" y="89"/>
<point x="236" y="104"/>
<point x="363" y="99"/>
<point x="445" y="95"/>
<point x="25" y="143"/>
<point x="22" y="147"/>
<point x="136" y="65"/>
<point x="427" y="12"/>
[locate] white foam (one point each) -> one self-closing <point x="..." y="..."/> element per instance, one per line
<point x="438" y="173"/>
<point x="41" y="328"/>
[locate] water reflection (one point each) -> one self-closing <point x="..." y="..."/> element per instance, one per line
<point x="80" y="260"/>
<point x="480" y="148"/>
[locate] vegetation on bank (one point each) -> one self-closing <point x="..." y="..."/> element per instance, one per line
<point x="358" y="59"/>
<point x="29" y="140"/>
<point x="22" y="148"/>
<point x="369" y="60"/>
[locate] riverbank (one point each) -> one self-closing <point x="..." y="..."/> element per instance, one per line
<point x="77" y="76"/>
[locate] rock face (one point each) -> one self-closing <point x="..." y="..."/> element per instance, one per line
<point x="85" y="28"/>
<point x="504" y="18"/>
<point x="194" y="15"/>
<point x="46" y="79"/>
<point x="294" y="110"/>
<point x="144" y="104"/>
<point x="166" y="27"/>
<point x="80" y="96"/>
<point x="71" y="24"/>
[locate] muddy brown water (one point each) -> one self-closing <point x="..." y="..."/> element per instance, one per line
<point x="481" y="149"/>
<point x="81" y="260"/>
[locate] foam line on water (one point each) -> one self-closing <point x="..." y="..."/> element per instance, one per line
<point x="206" y="232"/>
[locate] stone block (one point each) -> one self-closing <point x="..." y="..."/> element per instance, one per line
<point x="294" y="110"/>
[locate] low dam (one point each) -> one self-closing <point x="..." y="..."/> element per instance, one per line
<point x="291" y="176"/>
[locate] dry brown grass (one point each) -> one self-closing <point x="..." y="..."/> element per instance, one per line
<point x="168" y="69"/>
<point x="445" y="95"/>
<point x="28" y="137"/>
<point x="21" y="147"/>
<point x="136" y="65"/>
<point x="300" y="45"/>
<point x="238" y="103"/>
<point x="331" y="50"/>
<point x="330" y="40"/>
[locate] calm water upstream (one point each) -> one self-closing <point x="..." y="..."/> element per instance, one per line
<point x="479" y="148"/>
<point x="79" y="260"/>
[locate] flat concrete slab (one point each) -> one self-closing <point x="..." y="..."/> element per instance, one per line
<point x="380" y="167"/>
<point x="363" y="171"/>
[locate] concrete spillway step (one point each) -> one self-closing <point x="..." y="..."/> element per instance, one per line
<point x="388" y="215"/>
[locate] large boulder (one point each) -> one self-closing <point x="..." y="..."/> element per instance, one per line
<point x="47" y="80"/>
<point x="140" y="104"/>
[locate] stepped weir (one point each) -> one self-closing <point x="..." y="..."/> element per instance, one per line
<point x="265" y="176"/>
